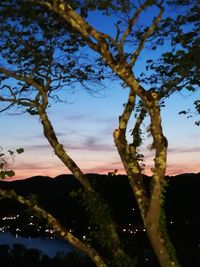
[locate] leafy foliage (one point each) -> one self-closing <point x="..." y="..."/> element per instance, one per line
<point x="190" y="113"/>
<point x="40" y="51"/>
<point x="19" y="254"/>
<point x="4" y="162"/>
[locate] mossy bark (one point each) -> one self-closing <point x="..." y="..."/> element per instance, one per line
<point x="97" y="207"/>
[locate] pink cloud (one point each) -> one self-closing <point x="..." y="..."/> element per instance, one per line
<point x="185" y="150"/>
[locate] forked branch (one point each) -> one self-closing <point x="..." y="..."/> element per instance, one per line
<point x="147" y="33"/>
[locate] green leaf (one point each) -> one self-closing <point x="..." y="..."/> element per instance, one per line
<point x="10" y="173"/>
<point x="20" y="150"/>
<point x="11" y="152"/>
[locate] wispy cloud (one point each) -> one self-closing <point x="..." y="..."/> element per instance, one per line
<point x="37" y="147"/>
<point x="92" y="144"/>
<point x="184" y="150"/>
<point x="77" y="117"/>
<point x="33" y="166"/>
<point x="41" y="136"/>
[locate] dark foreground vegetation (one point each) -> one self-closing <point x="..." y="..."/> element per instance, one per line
<point x="182" y="212"/>
<point x="19" y="255"/>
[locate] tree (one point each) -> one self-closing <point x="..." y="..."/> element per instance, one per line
<point x="42" y="61"/>
<point x="146" y="95"/>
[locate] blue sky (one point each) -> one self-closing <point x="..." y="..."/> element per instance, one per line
<point x="85" y="125"/>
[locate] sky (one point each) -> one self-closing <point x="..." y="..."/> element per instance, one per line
<point x="85" y="127"/>
<point x="85" y="124"/>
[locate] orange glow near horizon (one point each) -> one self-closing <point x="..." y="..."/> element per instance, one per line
<point x="172" y="170"/>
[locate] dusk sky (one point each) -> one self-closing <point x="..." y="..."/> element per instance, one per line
<point x="85" y="125"/>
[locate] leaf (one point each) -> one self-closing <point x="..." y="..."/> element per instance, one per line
<point x="1" y="165"/>
<point x="10" y="173"/>
<point x="182" y="112"/>
<point x="20" y="150"/>
<point x="2" y="175"/>
<point x="11" y="152"/>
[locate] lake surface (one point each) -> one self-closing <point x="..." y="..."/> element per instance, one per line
<point x="49" y="247"/>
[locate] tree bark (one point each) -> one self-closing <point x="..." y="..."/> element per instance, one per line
<point x="95" y="204"/>
<point x="150" y="205"/>
<point x="160" y="243"/>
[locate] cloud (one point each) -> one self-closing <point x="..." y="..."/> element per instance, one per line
<point x="41" y="136"/>
<point x="184" y="150"/>
<point x="91" y="141"/>
<point x="77" y="117"/>
<point x="89" y="146"/>
<point x="37" y="147"/>
<point x="33" y="166"/>
<point x="88" y="143"/>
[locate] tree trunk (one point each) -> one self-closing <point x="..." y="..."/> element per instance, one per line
<point x="150" y="206"/>
<point x="108" y="236"/>
<point x="160" y="245"/>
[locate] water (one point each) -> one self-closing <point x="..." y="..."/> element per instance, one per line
<point x="49" y="247"/>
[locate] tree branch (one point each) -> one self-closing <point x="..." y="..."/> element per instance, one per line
<point x="160" y="145"/>
<point x="148" y="32"/>
<point x="96" y="40"/>
<point x="28" y="80"/>
<point x="52" y="221"/>
<point x="23" y="101"/>
<point x="132" y="22"/>
<point x="128" y="156"/>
